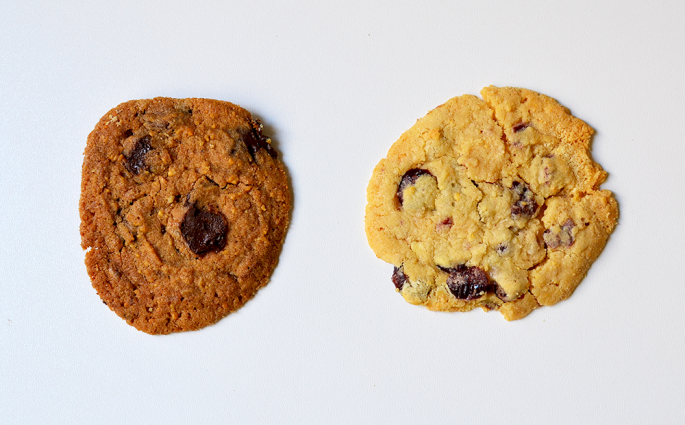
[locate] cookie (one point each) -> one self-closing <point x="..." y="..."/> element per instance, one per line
<point x="184" y="209"/>
<point x="491" y="203"/>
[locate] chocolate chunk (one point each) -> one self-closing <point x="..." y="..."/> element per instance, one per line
<point x="524" y="201"/>
<point x="409" y="179"/>
<point x="551" y="240"/>
<point x="564" y="238"/>
<point x="519" y="127"/>
<point x="468" y="283"/>
<point x="568" y="225"/>
<point x="255" y="140"/>
<point x="204" y="231"/>
<point x="398" y="277"/>
<point x="135" y="161"/>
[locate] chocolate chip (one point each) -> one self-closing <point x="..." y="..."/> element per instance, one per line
<point x="490" y="306"/>
<point x="135" y="161"/>
<point x="409" y="179"/>
<point x="398" y="277"/>
<point x="204" y="231"/>
<point x="524" y="201"/>
<point x="255" y="140"/>
<point x="502" y="248"/>
<point x="468" y="283"/>
<point x="520" y="127"/>
<point x="445" y="224"/>
<point x="502" y="294"/>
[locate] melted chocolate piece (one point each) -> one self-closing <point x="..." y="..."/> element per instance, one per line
<point x="409" y="179"/>
<point x="524" y="201"/>
<point x="468" y="283"/>
<point x="450" y="270"/>
<point x="398" y="277"/>
<point x="204" y="231"/>
<point x="135" y="161"/>
<point x="519" y="127"/>
<point x="562" y="239"/>
<point x="255" y="140"/>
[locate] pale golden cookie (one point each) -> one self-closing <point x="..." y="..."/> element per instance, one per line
<point x="491" y="203"/>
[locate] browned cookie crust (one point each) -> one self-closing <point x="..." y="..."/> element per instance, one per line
<point x="184" y="209"/>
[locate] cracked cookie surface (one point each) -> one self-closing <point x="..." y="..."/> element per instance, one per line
<point x="491" y="203"/>
<point x="184" y="209"/>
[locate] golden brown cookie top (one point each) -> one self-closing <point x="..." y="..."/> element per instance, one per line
<point x="184" y="208"/>
<point x="491" y="203"/>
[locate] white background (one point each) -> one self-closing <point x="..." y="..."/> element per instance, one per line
<point x="329" y="340"/>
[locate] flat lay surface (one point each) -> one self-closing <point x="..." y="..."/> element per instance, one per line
<point x="329" y="340"/>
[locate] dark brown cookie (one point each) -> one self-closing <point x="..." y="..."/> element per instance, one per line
<point x="184" y="209"/>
